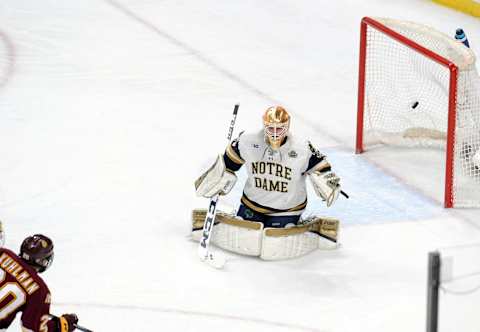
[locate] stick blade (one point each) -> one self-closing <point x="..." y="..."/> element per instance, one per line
<point x="202" y="253"/>
<point x="216" y="260"/>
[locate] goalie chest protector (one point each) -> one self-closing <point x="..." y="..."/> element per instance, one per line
<point x="276" y="178"/>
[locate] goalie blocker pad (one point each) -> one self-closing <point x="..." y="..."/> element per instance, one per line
<point x="250" y="238"/>
<point x="216" y="180"/>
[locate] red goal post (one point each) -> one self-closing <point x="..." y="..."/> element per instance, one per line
<point x="419" y="87"/>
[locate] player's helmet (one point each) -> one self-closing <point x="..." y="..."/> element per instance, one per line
<point x="276" y="122"/>
<point x="37" y="251"/>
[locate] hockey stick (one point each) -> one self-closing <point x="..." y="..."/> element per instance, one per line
<point x="217" y="261"/>
<point x="78" y="327"/>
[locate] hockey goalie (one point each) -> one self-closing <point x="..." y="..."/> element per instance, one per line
<point x="268" y="222"/>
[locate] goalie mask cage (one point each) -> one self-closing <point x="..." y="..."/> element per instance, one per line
<point x="420" y="88"/>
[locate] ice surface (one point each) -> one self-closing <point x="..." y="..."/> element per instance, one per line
<point x="109" y="110"/>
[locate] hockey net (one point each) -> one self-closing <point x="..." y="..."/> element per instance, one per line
<point x="420" y="88"/>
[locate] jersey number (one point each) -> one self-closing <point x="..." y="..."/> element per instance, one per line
<point x="13" y="289"/>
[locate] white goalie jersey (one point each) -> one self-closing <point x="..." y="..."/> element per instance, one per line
<point x="276" y="178"/>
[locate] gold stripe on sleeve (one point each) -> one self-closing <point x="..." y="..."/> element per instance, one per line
<point x="320" y="166"/>
<point x="234" y="156"/>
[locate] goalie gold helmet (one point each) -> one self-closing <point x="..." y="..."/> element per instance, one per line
<point x="276" y="122"/>
<point x="37" y="251"/>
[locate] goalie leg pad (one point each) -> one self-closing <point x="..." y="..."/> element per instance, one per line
<point x="278" y="247"/>
<point x="238" y="239"/>
<point x="286" y="243"/>
<point x="327" y="228"/>
<point x="250" y="238"/>
<point x="230" y="233"/>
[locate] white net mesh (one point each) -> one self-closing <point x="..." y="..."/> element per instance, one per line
<point x="407" y="98"/>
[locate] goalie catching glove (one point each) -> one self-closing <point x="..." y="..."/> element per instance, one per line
<point x="216" y="180"/>
<point x="326" y="185"/>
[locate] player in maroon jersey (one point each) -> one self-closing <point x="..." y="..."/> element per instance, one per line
<point x="22" y="289"/>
